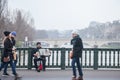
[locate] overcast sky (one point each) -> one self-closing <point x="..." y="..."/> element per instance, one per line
<point x="68" y="14"/>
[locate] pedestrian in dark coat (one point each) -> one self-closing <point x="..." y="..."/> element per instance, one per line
<point x="77" y="46"/>
<point x="4" y="56"/>
<point x="77" y="53"/>
<point x="8" y="48"/>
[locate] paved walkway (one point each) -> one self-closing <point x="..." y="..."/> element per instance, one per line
<point x="66" y="75"/>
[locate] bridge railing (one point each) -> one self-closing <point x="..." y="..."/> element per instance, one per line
<point x="91" y="58"/>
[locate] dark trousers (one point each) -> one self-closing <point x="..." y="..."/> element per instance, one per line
<point x="15" y="63"/>
<point x="43" y="59"/>
<point x="35" y="62"/>
<point x="44" y="64"/>
<point x="76" y="60"/>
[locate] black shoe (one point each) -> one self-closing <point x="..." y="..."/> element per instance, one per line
<point x="5" y="74"/>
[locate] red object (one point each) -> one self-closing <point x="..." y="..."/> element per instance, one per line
<point x="40" y="67"/>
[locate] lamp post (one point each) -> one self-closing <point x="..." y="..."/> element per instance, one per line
<point x="26" y="40"/>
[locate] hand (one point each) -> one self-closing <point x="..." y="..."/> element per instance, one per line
<point x="13" y="49"/>
<point x="35" y="54"/>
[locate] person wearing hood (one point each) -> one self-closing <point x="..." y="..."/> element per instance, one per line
<point x="76" y="54"/>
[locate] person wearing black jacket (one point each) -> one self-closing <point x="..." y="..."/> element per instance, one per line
<point x="4" y="63"/>
<point x="13" y="34"/>
<point x="8" y="48"/>
<point x="36" y="55"/>
<point x="77" y="53"/>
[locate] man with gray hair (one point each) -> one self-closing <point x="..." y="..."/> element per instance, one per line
<point x="77" y="53"/>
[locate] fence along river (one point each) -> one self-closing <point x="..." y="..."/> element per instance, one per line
<point x="91" y="58"/>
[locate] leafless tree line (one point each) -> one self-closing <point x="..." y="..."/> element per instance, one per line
<point x="16" y="20"/>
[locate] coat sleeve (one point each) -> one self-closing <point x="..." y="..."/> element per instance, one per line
<point x="71" y="42"/>
<point x="81" y="44"/>
<point x="33" y="52"/>
<point x="6" y="46"/>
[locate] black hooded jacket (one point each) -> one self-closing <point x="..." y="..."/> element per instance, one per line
<point x="8" y="45"/>
<point x="77" y="46"/>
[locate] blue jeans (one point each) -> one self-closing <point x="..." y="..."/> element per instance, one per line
<point x="76" y="60"/>
<point x="12" y="66"/>
<point x="15" y="63"/>
<point x="3" y="64"/>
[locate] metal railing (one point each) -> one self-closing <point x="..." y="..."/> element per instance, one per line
<point x="91" y="58"/>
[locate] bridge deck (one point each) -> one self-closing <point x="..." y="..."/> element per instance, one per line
<point x="66" y="75"/>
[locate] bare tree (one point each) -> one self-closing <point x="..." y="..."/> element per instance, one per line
<point x="23" y="25"/>
<point x="3" y="8"/>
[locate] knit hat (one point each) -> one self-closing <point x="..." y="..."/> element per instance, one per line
<point x="75" y="32"/>
<point x="13" y="33"/>
<point x="6" y="33"/>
